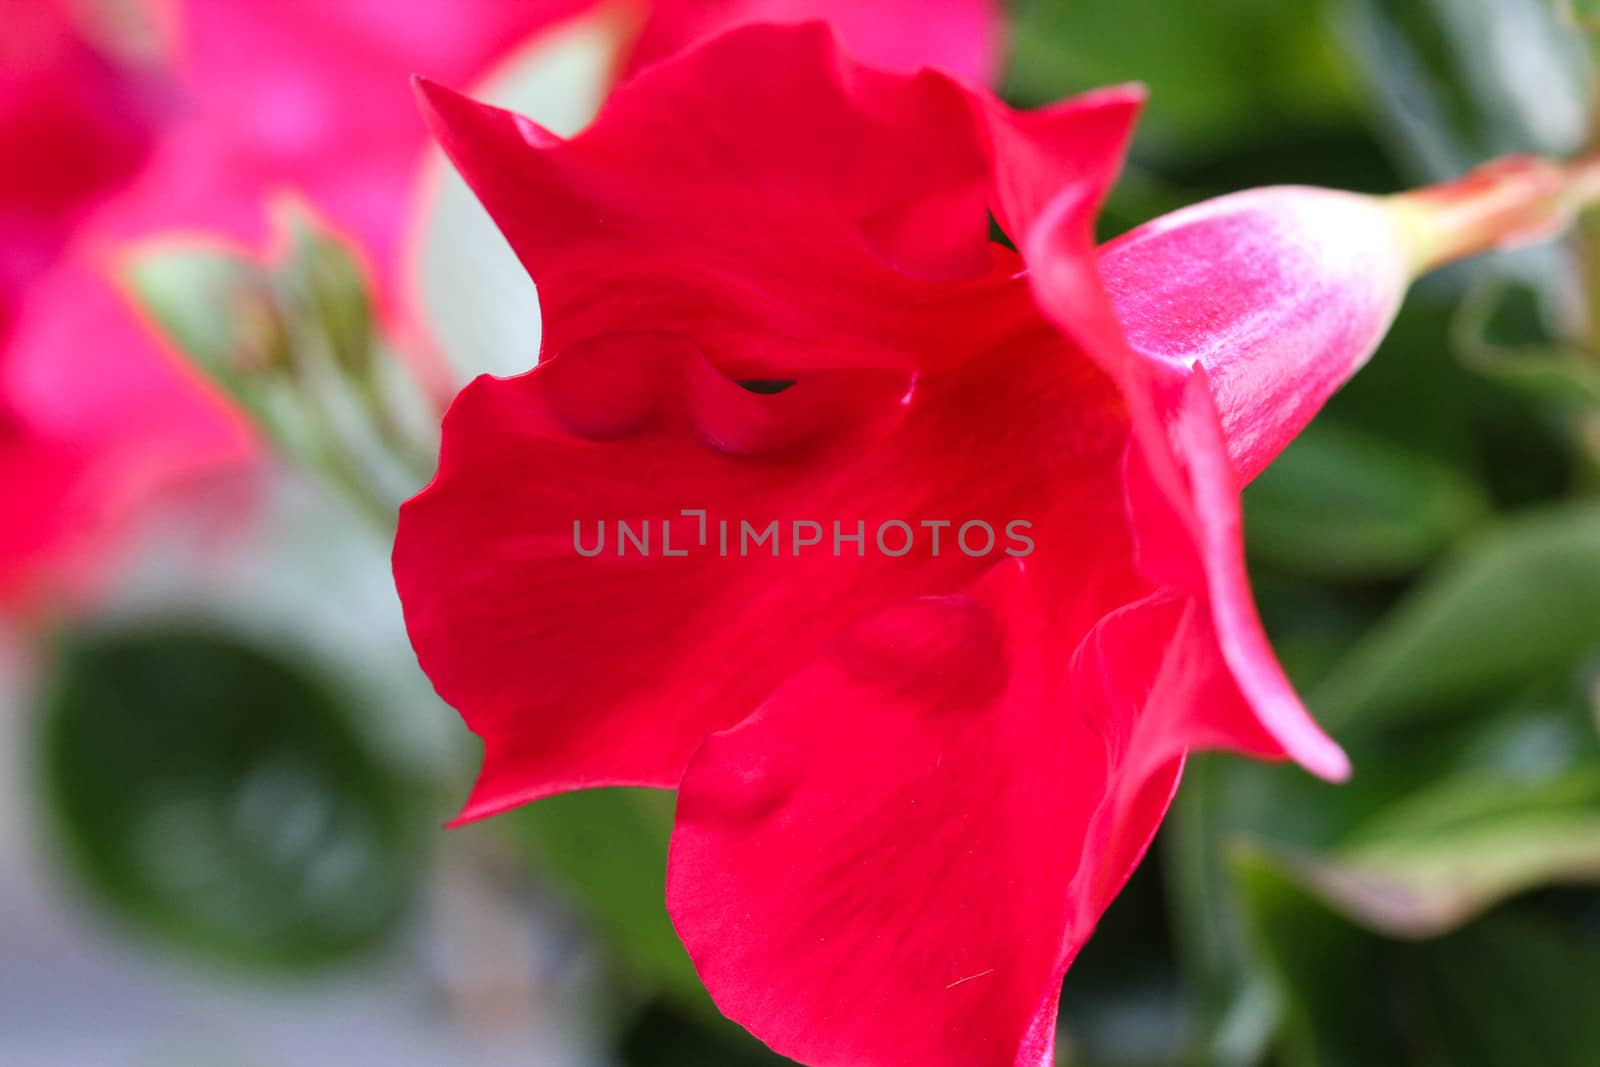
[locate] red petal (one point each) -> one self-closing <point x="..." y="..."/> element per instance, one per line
<point x="873" y="869"/>
<point x="792" y="228"/>
<point x="895" y="859"/>
<point x="1069" y="152"/>
<point x="928" y="814"/>
<point x="794" y="202"/>
<point x="609" y="670"/>
<point x="1211" y="514"/>
<point x="38" y="536"/>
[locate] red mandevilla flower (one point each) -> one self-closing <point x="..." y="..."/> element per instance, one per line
<point x="910" y="783"/>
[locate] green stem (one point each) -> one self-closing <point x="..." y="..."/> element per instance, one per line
<point x="1507" y="203"/>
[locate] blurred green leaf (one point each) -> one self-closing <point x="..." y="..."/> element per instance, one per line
<point x="1522" y="604"/>
<point x="608" y="847"/>
<point x="1500" y="333"/>
<point x="1507" y="989"/>
<point x="292" y="341"/>
<point x="1215" y="70"/>
<point x="1460" y="81"/>
<point x="1343" y="504"/>
<point x="1225" y="799"/>
<point x="215" y="794"/>
<point x="321" y="281"/>
<point x="1582" y="15"/>
<point x="1313" y="623"/>
<point x="1417" y="394"/>
<point x="1421" y="806"/>
<point x="1512" y="990"/>
<point x="1336" y="1010"/>
<point x="1439" y="857"/>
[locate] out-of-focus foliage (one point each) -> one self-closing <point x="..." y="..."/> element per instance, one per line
<point x="1356" y="506"/>
<point x="1459" y="81"/>
<point x="221" y="795"/>
<point x="1513" y="988"/>
<point x="1217" y="72"/>
<point x="1519" y="608"/>
<point x="612" y="843"/>
<point x="291" y="339"/>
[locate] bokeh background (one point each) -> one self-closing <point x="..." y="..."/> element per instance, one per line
<point x="222" y="777"/>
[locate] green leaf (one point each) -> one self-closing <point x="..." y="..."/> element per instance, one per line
<point x="1339" y="503"/>
<point x="1508" y="989"/>
<point x="1435" y="826"/>
<point x="321" y="284"/>
<point x="1224" y="799"/>
<point x="1328" y="975"/>
<point x="1460" y="81"/>
<point x="1216" y="71"/>
<point x="1417" y="395"/>
<point x="1505" y="331"/>
<point x="1438" y="858"/>
<point x="1500" y="332"/>
<point x="1512" y="989"/>
<point x="215" y="795"/>
<point x="608" y="847"/>
<point x="1582" y="15"/>
<point x="1522" y="604"/>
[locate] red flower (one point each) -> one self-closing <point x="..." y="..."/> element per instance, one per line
<point x="912" y="775"/>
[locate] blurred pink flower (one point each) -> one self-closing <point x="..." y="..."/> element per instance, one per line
<point x="224" y="104"/>
<point x="79" y="109"/>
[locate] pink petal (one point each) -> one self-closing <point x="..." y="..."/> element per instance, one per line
<point x="314" y="99"/>
<point x="1280" y="294"/>
<point x="113" y="419"/>
<point x="79" y="116"/>
<point x="1183" y="494"/>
